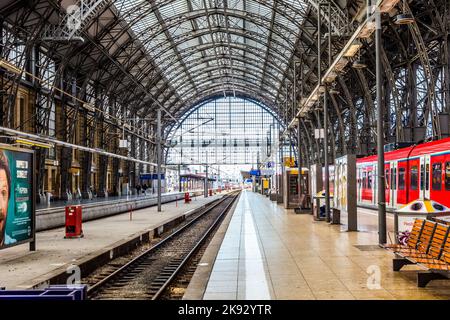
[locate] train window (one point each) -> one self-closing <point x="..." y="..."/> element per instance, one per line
<point x="369" y="180"/>
<point x="386" y="179"/>
<point x="436" y="176"/>
<point x="364" y="180"/>
<point x="401" y="178"/>
<point x="414" y="178"/>
<point x="394" y="179"/>
<point x="422" y="177"/>
<point x="427" y="177"/>
<point x="447" y="175"/>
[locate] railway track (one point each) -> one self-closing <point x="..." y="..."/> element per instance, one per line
<point x="150" y="274"/>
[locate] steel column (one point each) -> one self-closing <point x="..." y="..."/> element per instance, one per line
<point x="380" y="136"/>
<point x="158" y="155"/>
<point x="299" y="162"/>
<point x="179" y="178"/>
<point x="206" y="182"/>
<point x="325" y="115"/>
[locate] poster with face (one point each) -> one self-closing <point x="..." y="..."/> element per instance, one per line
<point x="16" y="197"/>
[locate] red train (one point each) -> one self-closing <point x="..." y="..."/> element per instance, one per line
<point x="415" y="172"/>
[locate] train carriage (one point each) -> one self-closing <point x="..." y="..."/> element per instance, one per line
<point x="415" y="172"/>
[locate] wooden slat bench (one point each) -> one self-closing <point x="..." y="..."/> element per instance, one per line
<point x="429" y="249"/>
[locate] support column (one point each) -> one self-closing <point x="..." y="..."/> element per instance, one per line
<point x="66" y="162"/>
<point x="158" y="155"/>
<point x="325" y="116"/>
<point x="299" y="163"/>
<point x="116" y="176"/>
<point x="280" y="197"/>
<point x="102" y="175"/>
<point x="206" y="183"/>
<point x="380" y="138"/>
<point x="179" y="178"/>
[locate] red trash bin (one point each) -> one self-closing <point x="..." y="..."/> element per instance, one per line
<point x="210" y="192"/>
<point x="187" y="198"/>
<point x="74" y="222"/>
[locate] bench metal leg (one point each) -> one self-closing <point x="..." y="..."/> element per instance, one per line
<point x="398" y="263"/>
<point x="423" y="278"/>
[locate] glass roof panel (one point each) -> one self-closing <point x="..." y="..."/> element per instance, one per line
<point x="230" y="41"/>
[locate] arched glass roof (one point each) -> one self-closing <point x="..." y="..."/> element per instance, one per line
<point x="205" y="47"/>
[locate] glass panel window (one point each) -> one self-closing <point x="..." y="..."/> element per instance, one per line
<point x="401" y="178"/>
<point x="447" y="175"/>
<point x="394" y="178"/>
<point x="427" y="177"/>
<point x="414" y="178"/>
<point x="386" y="179"/>
<point x="436" y="177"/>
<point x="422" y="177"/>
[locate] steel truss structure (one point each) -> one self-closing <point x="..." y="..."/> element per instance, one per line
<point x="125" y="59"/>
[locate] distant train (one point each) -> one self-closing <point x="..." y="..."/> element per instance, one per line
<point x="415" y="172"/>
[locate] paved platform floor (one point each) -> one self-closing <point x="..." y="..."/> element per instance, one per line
<point x="272" y="253"/>
<point x="19" y="266"/>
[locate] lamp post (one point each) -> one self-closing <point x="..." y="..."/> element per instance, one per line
<point x="325" y="114"/>
<point x="380" y="135"/>
<point x="299" y="155"/>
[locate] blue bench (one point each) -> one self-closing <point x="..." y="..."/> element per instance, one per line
<point x="54" y="292"/>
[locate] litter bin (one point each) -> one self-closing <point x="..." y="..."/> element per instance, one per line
<point x="74" y="222"/>
<point x="210" y="192"/>
<point x="187" y="198"/>
<point x="336" y="216"/>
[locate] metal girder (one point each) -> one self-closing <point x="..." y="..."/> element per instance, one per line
<point x="249" y="92"/>
<point x="423" y="54"/>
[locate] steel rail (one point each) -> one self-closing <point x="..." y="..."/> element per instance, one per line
<point x="97" y="286"/>
<point x="193" y="250"/>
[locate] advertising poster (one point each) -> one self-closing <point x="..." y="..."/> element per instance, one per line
<point x="345" y="189"/>
<point x="340" y="184"/>
<point x="16" y="197"/>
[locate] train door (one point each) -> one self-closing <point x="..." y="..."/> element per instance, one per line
<point x="393" y="177"/>
<point x="421" y="178"/>
<point x="374" y="184"/>
<point x="401" y="182"/>
<point x="413" y="187"/>
<point x="437" y="188"/>
<point x="446" y="178"/>
<point x="427" y="177"/>
<point x="359" y="184"/>
<point x="367" y="184"/>
<point x="387" y="184"/>
<point x="370" y="184"/>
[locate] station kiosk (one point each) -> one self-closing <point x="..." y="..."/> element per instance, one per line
<point x="291" y="197"/>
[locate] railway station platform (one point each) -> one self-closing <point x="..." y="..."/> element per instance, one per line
<point x="103" y="240"/>
<point x="266" y="252"/>
<point x="52" y="215"/>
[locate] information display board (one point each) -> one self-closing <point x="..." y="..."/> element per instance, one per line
<point x="17" y="205"/>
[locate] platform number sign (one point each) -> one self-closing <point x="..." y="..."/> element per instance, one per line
<point x="17" y="208"/>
